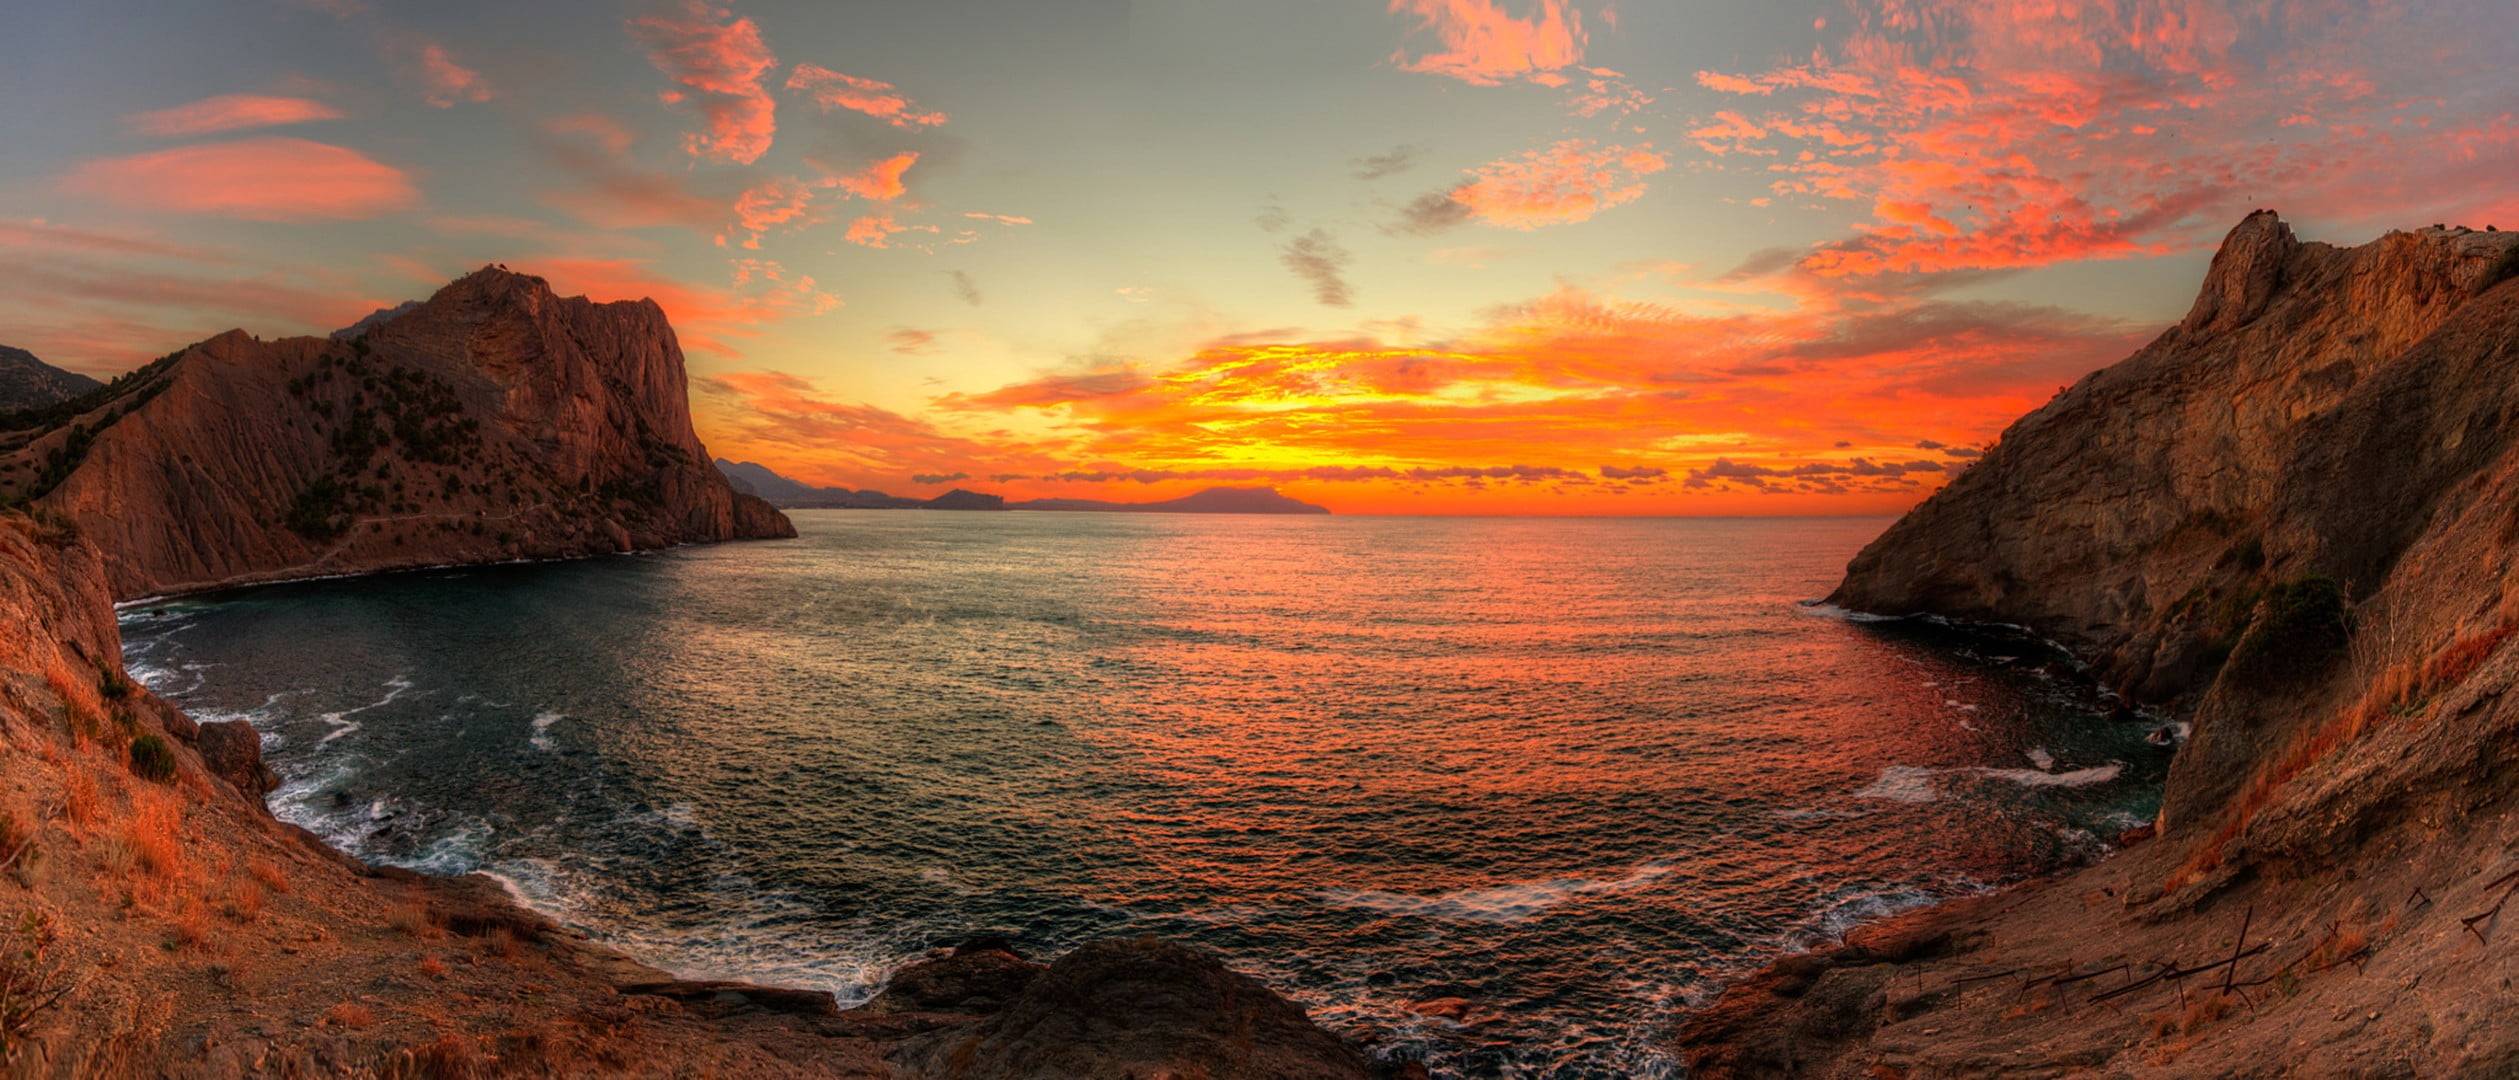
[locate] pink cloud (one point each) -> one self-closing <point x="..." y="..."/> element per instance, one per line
<point x="261" y="179"/>
<point x="881" y="181"/>
<point x="447" y="83"/>
<point x="721" y="63"/>
<point x="229" y="112"/>
<point x="1558" y="185"/>
<point x="1482" y="45"/>
<point x="880" y="100"/>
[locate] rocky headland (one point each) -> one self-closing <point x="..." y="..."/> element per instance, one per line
<point x="2291" y="521"/>
<point x="156" y="920"/>
<point x="494" y="421"/>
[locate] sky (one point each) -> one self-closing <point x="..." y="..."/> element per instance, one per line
<point x="1389" y="256"/>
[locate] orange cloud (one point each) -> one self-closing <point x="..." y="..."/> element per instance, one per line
<point x="721" y="63"/>
<point x="446" y="83"/>
<point x="832" y="90"/>
<point x="1568" y="403"/>
<point x="260" y="179"/>
<point x="1482" y="45"/>
<point x="877" y="230"/>
<point x="778" y="203"/>
<point x="881" y="181"/>
<point x="1985" y="135"/>
<point x="1558" y="185"/>
<point x="229" y="112"/>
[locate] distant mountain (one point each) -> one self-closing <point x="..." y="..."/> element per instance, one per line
<point x="1218" y="500"/>
<point x="756" y="479"/>
<point x="753" y="478"/>
<point x="29" y="383"/>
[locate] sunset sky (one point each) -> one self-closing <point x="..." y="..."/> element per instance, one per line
<point x="1442" y="256"/>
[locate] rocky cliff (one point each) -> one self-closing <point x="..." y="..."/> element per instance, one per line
<point x="494" y="421"/>
<point x="2294" y="520"/>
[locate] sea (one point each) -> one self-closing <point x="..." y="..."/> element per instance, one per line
<point x="1506" y="796"/>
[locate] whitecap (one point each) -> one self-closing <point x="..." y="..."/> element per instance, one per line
<point x="341" y="722"/>
<point x="1515" y="903"/>
<point x="1823" y="609"/>
<point x="541" y="737"/>
<point x="1902" y="783"/>
<point x="2097" y="774"/>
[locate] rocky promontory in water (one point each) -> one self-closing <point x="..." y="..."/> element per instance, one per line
<point x="2291" y="521"/>
<point x="495" y="421"/>
<point x="156" y="920"/>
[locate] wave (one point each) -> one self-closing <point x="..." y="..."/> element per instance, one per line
<point x="341" y="722"/>
<point x="541" y="737"/>
<point x="1914" y="783"/>
<point x="1516" y="903"/>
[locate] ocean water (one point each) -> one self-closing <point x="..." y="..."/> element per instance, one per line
<point x="1572" y="773"/>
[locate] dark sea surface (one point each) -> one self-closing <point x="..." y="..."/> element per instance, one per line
<point x="1572" y="772"/>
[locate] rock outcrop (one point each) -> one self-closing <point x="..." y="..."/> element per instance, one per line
<point x="164" y="924"/>
<point x="2292" y="519"/>
<point x="494" y="421"/>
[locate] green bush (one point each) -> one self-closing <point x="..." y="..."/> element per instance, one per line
<point x="2301" y="627"/>
<point x="152" y="759"/>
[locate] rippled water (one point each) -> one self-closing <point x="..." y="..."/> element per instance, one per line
<point x="1571" y="772"/>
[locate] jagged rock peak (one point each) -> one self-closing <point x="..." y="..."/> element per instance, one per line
<point x="2247" y="272"/>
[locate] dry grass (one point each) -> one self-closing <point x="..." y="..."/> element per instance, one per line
<point x="191" y="922"/>
<point x="351" y="1015"/>
<point x="503" y="942"/>
<point x="79" y="799"/>
<point x="432" y="967"/>
<point x="242" y="901"/>
<point x="451" y="1057"/>
<point x="269" y="874"/>
<point x="153" y="833"/>
<point x="411" y="917"/>
<point x="2402" y="691"/>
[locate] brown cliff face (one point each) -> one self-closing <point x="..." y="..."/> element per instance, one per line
<point x="2317" y="413"/>
<point x="495" y="421"/>
<point x="2294" y="516"/>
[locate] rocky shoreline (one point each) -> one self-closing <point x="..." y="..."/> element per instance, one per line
<point x="2286" y="521"/>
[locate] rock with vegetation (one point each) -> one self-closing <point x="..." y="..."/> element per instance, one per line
<point x="2292" y="520"/>
<point x="494" y="421"/>
<point x="28" y="384"/>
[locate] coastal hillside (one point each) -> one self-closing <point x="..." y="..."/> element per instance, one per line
<point x="28" y="384"/>
<point x="493" y="421"/>
<point x="753" y="478"/>
<point x="2289" y="521"/>
<point x="156" y="920"/>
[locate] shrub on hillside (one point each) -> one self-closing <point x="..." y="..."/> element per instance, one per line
<point x="152" y="759"/>
<point x="2301" y="627"/>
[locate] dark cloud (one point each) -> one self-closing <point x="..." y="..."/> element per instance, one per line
<point x="1271" y="217"/>
<point x="1316" y="257"/>
<point x="939" y="478"/>
<point x="1928" y="444"/>
<point x="963" y="288"/>
<point x="1633" y="472"/>
<point x="1432" y="213"/>
<point x="1398" y="160"/>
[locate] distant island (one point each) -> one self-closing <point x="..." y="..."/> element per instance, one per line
<point x="752" y="478"/>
